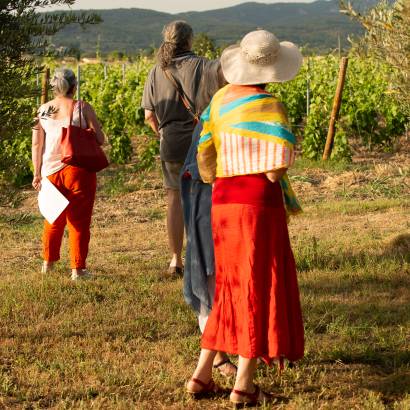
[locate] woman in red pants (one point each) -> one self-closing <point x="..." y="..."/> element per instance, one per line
<point x="245" y="149"/>
<point x="77" y="184"/>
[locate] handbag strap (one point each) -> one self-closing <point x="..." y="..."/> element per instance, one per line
<point x="182" y="96"/>
<point x="80" y="112"/>
<point x="72" y="112"/>
<point x="80" y="104"/>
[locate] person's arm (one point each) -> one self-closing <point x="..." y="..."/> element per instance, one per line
<point x="38" y="138"/>
<point x="148" y="103"/>
<point x="93" y="123"/>
<point x="276" y="175"/>
<point x="207" y="155"/>
<point x="152" y="121"/>
<point x="206" y="158"/>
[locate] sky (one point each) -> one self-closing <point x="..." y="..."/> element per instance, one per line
<point x="170" y="6"/>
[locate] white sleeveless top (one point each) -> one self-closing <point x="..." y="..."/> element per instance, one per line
<point x="52" y="145"/>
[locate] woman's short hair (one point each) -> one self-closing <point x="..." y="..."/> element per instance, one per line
<point x="63" y="81"/>
<point x="177" y="38"/>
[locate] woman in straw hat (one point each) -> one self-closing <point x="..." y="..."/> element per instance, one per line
<point x="245" y="149"/>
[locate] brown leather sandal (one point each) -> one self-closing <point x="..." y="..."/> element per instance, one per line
<point x="207" y="389"/>
<point x="250" y="399"/>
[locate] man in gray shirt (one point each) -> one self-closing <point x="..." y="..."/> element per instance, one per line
<point x="178" y="89"/>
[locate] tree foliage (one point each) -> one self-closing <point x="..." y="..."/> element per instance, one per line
<point x="205" y="46"/>
<point x="388" y="40"/>
<point x="368" y="115"/>
<point x="23" y="34"/>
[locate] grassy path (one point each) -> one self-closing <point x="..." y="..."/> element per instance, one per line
<point x="127" y="339"/>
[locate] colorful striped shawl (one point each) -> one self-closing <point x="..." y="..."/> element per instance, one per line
<point x="246" y="131"/>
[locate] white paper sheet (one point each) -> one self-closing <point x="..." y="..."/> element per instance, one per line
<point x="51" y="201"/>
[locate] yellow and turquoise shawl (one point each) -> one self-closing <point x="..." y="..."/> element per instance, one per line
<point x="246" y="131"/>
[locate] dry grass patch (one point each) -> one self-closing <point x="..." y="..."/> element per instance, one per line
<point x="127" y="339"/>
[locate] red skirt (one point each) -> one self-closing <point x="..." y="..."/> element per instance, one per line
<point x="256" y="311"/>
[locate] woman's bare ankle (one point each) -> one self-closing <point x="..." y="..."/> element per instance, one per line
<point x="246" y="386"/>
<point x="194" y="386"/>
<point x="47" y="267"/>
<point x="220" y="357"/>
<point x="176" y="261"/>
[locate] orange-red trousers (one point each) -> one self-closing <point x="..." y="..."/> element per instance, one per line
<point x="78" y="186"/>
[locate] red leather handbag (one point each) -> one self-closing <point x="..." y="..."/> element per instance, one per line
<point x="80" y="148"/>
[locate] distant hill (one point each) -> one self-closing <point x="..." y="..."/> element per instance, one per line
<point x="316" y="25"/>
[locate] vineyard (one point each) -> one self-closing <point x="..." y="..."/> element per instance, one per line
<point x="369" y="113"/>
<point x="370" y="116"/>
<point x="126" y="339"/>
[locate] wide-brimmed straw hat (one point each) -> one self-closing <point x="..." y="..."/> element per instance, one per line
<point x="260" y="59"/>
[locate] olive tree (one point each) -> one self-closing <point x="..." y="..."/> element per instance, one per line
<point x="387" y="38"/>
<point x="23" y="38"/>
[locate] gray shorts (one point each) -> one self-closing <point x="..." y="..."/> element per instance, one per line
<point x="171" y="172"/>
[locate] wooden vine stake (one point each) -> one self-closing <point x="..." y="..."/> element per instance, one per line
<point x="336" y="108"/>
<point x="78" y="82"/>
<point x="44" y="86"/>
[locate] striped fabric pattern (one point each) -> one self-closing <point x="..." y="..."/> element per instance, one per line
<point x="248" y="128"/>
<point x="246" y="131"/>
<point x="241" y="155"/>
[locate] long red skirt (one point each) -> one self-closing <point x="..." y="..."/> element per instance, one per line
<point x="256" y="311"/>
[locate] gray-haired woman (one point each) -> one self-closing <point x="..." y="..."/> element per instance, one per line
<point x="178" y="72"/>
<point x="77" y="184"/>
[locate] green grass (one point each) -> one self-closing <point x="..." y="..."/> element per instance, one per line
<point x="355" y="207"/>
<point x="127" y="339"/>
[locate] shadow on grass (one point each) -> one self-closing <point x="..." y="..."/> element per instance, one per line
<point x="388" y="360"/>
<point x="388" y="371"/>
<point x="362" y="312"/>
<point x="10" y="196"/>
<point x="392" y="384"/>
<point x="344" y="287"/>
<point x="19" y="220"/>
<point x="312" y="257"/>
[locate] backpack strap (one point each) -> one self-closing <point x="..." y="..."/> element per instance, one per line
<point x="182" y="95"/>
